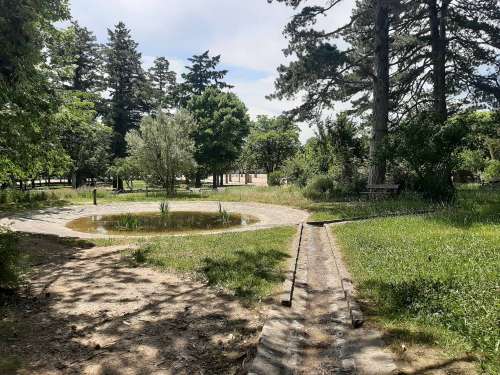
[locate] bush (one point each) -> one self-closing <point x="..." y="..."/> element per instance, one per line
<point x="492" y="171"/>
<point x="10" y="267"/>
<point x="274" y="178"/>
<point x="426" y="148"/>
<point x="322" y="188"/>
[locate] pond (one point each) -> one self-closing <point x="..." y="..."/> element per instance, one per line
<point x="156" y="223"/>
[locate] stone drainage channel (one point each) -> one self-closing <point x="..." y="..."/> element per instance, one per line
<point x="318" y="329"/>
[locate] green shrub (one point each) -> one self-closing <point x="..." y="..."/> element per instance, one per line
<point x="323" y="188"/>
<point x="10" y="265"/>
<point x="426" y="149"/>
<point x="492" y="171"/>
<point x="274" y="178"/>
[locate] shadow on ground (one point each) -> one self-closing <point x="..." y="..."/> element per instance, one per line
<point x="88" y="312"/>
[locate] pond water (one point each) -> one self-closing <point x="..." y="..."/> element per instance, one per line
<point x="155" y="223"/>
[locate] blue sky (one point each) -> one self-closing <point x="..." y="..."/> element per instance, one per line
<point x="247" y="33"/>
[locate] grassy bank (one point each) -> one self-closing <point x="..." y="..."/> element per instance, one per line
<point x="434" y="278"/>
<point x="242" y="263"/>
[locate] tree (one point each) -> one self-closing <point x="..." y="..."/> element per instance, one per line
<point x="200" y="75"/>
<point x="340" y="141"/>
<point x="162" y="146"/>
<point x="77" y="58"/>
<point x="126" y="82"/>
<point x="127" y="169"/>
<point x="271" y="142"/>
<point x="27" y="105"/>
<point x="163" y="84"/>
<point x="310" y="161"/>
<point x="223" y="124"/>
<point x="446" y="55"/>
<point x="428" y="151"/>
<point x="85" y="139"/>
<point x="327" y="74"/>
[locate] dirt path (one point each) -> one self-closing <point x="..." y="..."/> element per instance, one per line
<point x="90" y="312"/>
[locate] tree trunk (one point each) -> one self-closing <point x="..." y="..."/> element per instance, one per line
<point x="380" y="95"/>
<point x="120" y="184"/>
<point x="214" y="180"/>
<point x="221" y="179"/>
<point x="437" y="20"/>
<point x="197" y="180"/>
<point x="32" y="184"/>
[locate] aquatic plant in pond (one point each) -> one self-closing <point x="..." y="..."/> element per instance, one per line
<point x="160" y="222"/>
<point x="164" y="208"/>
<point x="225" y="216"/>
<point x="128" y="222"/>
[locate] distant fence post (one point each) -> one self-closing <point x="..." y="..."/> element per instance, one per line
<point x="94" y="196"/>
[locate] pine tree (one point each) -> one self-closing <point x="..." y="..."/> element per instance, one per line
<point x="451" y="46"/>
<point x="201" y="74"/>
<point x="126" y="80"/>
<point x="76" y="59"/>
<point x="163" y="82"/>
<point x="328" y="74"/>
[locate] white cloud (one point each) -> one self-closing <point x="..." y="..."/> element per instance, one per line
<point x="247" y="33"/>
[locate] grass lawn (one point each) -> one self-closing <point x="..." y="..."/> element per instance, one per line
<point x="248" y="265"/>
<point x="434" y="279"/>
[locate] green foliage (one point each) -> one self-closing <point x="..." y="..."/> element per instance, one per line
<point x="472" y="160"/>
<point x="127" y="169"/>
<point x="492" y="171"/>
<point x="439" y="270"/>
<point x="426" y="149"/>
<point x="85" y="139"/>
<point x="76" y="59"/>
<point x="128" y="222"/>
<point x="275" y="178"/>
<point x="307" y="163"/>
<point x="323" y="188"/>
<point x="10" y="257"/>
<point x="271" y="142"/>
<point x="340" y="141"/>
<point x="126" y="81"/>
<point x="163" y="84"/>
<point x="223" y="124"/>
<point x="28" y="142"/>
<point x="200" y="75"/>
<point x="163" y="147"/>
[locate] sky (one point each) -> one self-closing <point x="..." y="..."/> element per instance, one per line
<point x="246" y="33"/>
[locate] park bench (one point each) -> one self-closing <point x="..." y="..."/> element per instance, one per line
<point x="200" y="191"/>
<point x="381" y="190"/>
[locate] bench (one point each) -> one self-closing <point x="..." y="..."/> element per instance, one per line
<point x="200" y="191"/>
<point x="381" y="190"/>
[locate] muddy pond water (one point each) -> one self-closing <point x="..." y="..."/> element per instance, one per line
<point x="156" y="223"/>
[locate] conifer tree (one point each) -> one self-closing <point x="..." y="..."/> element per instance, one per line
<point x="163" y="83"/>
<point x="126" y="82"/>
<point x="201" y="74"/>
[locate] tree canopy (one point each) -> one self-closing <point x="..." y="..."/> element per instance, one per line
<point x="223" y="124"/>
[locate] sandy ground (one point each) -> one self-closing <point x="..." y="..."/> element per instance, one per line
<point x="53" y="220"/>
<point x="90" y="312"/>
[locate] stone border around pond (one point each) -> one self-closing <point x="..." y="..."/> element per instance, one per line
<point x="53" y="220"/>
